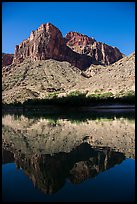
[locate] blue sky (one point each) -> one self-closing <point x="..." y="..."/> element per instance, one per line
<point x="112" y="23"/>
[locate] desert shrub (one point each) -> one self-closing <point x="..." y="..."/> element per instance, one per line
<point x="128" y="97"/>
<point x="106" y="95"/>
<point x="97" y="91"/>
<point x="53" y="122"/>
<point x="76" y="93"/>
<point x="77" y="98"/>
<point x="52" y="95"/>
<point x="121" y="92"/>
<point x="130" y="93"/>
<point x="99" y="96"/>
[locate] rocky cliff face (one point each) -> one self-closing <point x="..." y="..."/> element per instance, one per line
<point x="7" y="59"/>
<point x="47" y="42"/>
<point x="102" y="53"/>
<point x="45" y="63"/>
<point x="81" y="51"/>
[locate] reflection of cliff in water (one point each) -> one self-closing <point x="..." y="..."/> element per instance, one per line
<point x="49" y="173"/>
<point x="52" y="150"/>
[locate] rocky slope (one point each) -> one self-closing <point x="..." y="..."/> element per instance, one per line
<point x="116" y="78"/>
<point x="37" y="79"/>
<point x="81" y="51"/>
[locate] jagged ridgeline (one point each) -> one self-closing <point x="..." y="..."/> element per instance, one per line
<point x="47" y="65"/>
<point x="80" y="50"/>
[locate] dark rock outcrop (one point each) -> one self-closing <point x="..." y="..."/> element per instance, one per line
<point x="81" y="51"/>
<point x="102" y="53"/>
<point x="7" y="59"/>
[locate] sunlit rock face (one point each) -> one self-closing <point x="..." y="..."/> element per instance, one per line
<point x="81" y="51"/>
<point x="100" y="52"/>
<point x="47" y="42"/>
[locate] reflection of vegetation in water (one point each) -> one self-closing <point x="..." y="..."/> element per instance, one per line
<point x="53" y="122"/>
<point x="54" y="133"/>
<point x="132" y="121"/>
<point x="76" y="121"/>
<point x="74" y="115"/>
<point x="115" y="118"/>
<point x="76" y="118"/>
<point x="82" y="118"/>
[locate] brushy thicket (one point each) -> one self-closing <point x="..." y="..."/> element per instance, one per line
<point x="77" y="98"/>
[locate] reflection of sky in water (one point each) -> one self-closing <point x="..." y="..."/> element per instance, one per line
<point x="115" y="184"/>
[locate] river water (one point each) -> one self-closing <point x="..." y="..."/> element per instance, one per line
<point x="81" y="156"/>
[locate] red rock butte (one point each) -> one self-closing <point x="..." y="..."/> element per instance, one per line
<point x="80" y="50"/>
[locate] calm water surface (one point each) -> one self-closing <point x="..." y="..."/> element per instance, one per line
<point x="61" y="157"/>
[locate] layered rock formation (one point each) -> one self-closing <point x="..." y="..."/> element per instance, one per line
<point x="47" y="42"/>
<point x="47" y="62"/>
<point x="7" y="59"/>
<point x="102" y="53"/>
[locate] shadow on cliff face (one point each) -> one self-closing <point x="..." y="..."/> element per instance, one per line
<point x="49" y="172"/>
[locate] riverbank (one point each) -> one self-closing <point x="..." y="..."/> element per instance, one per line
<point x="76" y="98"/>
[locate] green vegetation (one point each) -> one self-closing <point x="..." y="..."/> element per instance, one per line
<point x="129" y="93"/>
<point x="53" y="122"/>
<point x="99" y="96"/>
<point x="76" y="93"/>
<point x="52" y="95"/>
<point x="75" y="115"/>
<point x="77" y="98"/>
<point x="128" y="97"/>
<point x="97" y="91"/>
